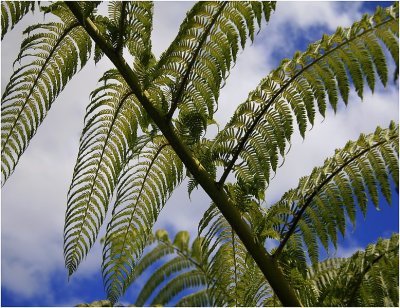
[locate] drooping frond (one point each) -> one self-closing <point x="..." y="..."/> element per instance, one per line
<point x="143" y="189"/>
<point x="175" y="268"/>
<point x="49" y="57"/>
<point x="367" y="278"/>
<point x="317" y="209"/>
<point x="110" y="130"/>
<point x="261" y="128"/>
<point x="236" y="279"/>
<point x="190" y="72"/>
<point x="12" y="12"/>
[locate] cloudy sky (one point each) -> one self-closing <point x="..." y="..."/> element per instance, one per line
<point x="34" y="198"/>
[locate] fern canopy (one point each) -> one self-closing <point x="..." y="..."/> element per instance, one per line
<point x="144" y="132"/>
<point x="262" y="127"/>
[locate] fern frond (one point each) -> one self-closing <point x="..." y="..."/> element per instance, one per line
<point x="191" y="71"/>
<point x="110" y="131"/>
<point x="55" y="52"/>
<point x="318" y="207"/>
<point x="143" y="190"/>
<point x="12" y="12"/>
<point x="236" y="279"/>
<point x="261" y="128"/>
<point x="367" y="278"/>
<point x="175" y="267"/>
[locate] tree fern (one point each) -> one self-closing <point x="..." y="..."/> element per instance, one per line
<point x="144" y="128"/>
<point x="142" y="192"/>
<point x="109" y="131"/>
<point x="12" y="12"/>
<point x="55" y="52"/>
<point x="263" y="125"/>
<point x="318" y="207"/>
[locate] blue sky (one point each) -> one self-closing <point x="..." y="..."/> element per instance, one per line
<point x="34" y="198"/>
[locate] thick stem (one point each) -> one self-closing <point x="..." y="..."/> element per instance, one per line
<point x="266" y="263"/>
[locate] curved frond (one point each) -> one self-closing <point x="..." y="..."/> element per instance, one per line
<point x="110" y="131"/>
<point x="367" y="278"/>
<point x="143" y="189"/>
<point x="317" y="209"/>
<point x="12" y="12"/>
<point x="258" y="133"/>
<point x="190" y="72"/>
<point x="53" y="52"/>
<point x="175" y="267"/>
<point x="236" y="279"/>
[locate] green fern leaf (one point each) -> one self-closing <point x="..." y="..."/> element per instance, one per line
<point x="108" y="134"/>
<point x="191" y="71"/>
<point x="235" y="277"/>
<point x="318" y="206"/>
<point x="143" y="189"/>
<point x="367" y="278"/>
<point x="57" y="50"/>
<point x="329" y="66"/>
<point x="12" y="12"/>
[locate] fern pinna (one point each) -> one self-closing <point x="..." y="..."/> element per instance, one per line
<point x="145" y="128"/>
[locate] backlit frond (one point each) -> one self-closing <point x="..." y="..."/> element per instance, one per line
<point x="367" y="278"/>
<point x="175" y="268"/>
<point x="318" y="208"/>
<point x="143" y="190"/>
<point x="111" y="123"/>
<point x="189" y="74"/>
<point x="261" y="128"/>
<point x="49" y="57"/>
<point x="12" y="12"/>
<point x="236" y="279"/>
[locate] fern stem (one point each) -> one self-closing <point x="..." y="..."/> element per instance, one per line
<point x="267" y="264"/>
<point x="257" y="119"/>
<point x="308" y="200"/>
<point x="193" y="61"/>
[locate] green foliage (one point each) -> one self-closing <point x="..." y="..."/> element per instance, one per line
<point x="183" y="268"/>
<point x="319" y="207"/>
<point x="53" y="53"/>
<point x="143" y="189"/>
<point x="236" y="279"/>
<point x="261" y="127"/>
<point x="12" y="12"/>
<point x="144" y="129"/>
